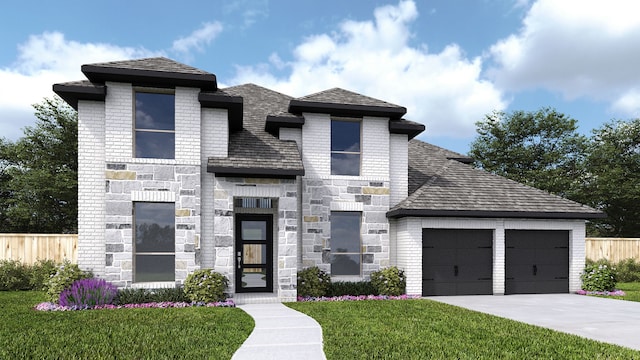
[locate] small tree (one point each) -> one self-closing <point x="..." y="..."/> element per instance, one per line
<point x="39" y="172"/>
<point x="541" y="149"/>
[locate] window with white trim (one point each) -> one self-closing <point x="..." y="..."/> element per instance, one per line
<point x="154" y="125"/>
<point x="154" y="241"/>
<point x="346" y="255"/>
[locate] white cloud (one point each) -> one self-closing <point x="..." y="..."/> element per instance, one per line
<point x="43" y="60"/>
<point x="579" y="48"/>
<point x="198" y="38"/>
<point x="442" y="90"/>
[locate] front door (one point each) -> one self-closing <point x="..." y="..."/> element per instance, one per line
<point x="254" y="253"/>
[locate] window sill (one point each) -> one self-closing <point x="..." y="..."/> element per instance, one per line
<point x="153" y="161"/>
<point x="154" y="285"/>
<point x="349" y="278"/>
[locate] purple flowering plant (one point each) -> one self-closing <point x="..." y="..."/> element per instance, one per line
<point x="88" y="293"/>
<point x="601" y="293"/>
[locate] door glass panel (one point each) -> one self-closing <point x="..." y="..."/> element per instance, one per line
<point x="254" y="230"/>
<point x="254" y="278"/>
<point x="255" y="254"/>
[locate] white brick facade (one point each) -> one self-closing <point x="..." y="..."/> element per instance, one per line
<point x="375" y="147"/>
<point x="316" y="145"/>
<point x="398" y="168"/>
<point x="91" y="194"/>
<point x="111" y="180"/>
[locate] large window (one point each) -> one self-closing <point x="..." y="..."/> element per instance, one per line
<point x="154" y="247"/>
<point x="154" y="125"/>
<point x="345" y="147"/>
<point x="346" y="254"/>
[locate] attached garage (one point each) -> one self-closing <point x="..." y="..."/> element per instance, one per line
<point x="465" y="231"/>
<point x="457" y="262"/>
<point x="536" y="261"/>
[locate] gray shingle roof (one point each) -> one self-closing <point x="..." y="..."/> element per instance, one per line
<point x="342" y="96"/>
<point x="158" y="71"/>
<point x="153" y="64"/>
<point x="439" y="186"/>
<point x="253" y="148"/>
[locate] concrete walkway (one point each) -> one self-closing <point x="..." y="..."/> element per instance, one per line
<point x="608" y="320"/>
<point x="281" y="333"/>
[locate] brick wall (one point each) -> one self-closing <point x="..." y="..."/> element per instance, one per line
<point x="187" y="110"/>
<point x="316" y="145"/>
<point x="91" y="183"/>
<point x="398" y="168"/>
<point x="119" y="120"/>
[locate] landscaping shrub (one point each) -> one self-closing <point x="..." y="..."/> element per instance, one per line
<point x="599" y="277"/>
<point x="13" y="275"/>
<point x="174" y="294"/>
<point x="88" y="293"/>
<point x="133" y="296"/>
<point x="66" y="274"/>
<point x="143" y="296"/>
<point x="340" y="288"/>
<point x="41" y="272"/>
<point x="205" y="285"/>
<point x="313" y="282"/>
<point x="389" y="281"/>
<point x="628" y="271"/>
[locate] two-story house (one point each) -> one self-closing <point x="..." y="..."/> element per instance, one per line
<point x="176" y="174"/>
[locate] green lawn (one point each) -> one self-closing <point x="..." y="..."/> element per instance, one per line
<point x="632" y="291"/>
<point x="189" y="333"/>
<point x="424" y="329"/>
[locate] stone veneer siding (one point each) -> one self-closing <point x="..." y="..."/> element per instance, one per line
<point x="322" y="196"/>
<point x="127" y="183"/>
<point x="285" y="191"/>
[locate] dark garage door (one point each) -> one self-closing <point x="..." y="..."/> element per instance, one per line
<point x="537" y="261"/>
<point x="457" y="262"/>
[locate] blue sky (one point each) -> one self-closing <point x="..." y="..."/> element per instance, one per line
<point x="448" y="62"/>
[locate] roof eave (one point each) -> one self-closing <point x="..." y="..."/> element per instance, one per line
<point x="300" y="106"/>
<point x="274" y="123"/>
<point x="400" y="213"/>
<point x="233" y="104"/>
<point x="139" y="77"/>
<point x="73" y="93"/>
<point x="227" y="171"/>
<point x="410" y="129"/>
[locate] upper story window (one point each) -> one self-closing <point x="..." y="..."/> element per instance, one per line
<point x="345" y="147"/>
<point x="155" y="125"/>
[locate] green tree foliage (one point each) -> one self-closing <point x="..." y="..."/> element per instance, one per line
<point x="613" y="181"/>
<point x="541" y="149"/>
<point x="38" y="173"/>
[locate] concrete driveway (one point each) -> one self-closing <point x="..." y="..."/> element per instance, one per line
<point x="608" y="320"/>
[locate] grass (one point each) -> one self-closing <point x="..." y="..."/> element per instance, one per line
<point x="632" y="291"/>
<point x="191" y="333"/>
<point x="424" y="329"/>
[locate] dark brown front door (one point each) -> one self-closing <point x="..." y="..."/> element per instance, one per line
<point x="254" y="253"/>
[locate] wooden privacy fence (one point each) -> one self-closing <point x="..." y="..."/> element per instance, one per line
<point x="30" y="248"/>
<point x="612" y="249"/>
